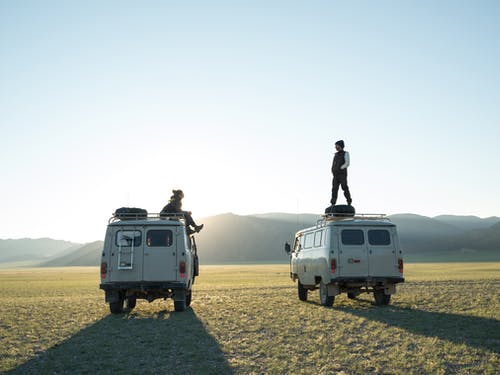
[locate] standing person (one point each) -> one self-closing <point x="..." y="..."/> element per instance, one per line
<point x="174" y="206"/>
<point x="339" y="171"/>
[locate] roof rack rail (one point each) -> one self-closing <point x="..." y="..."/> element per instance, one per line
<point x="341" y="217"/>
<point x="145" y="216"/>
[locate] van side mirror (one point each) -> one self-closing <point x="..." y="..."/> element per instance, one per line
<point x="287" y="248"/>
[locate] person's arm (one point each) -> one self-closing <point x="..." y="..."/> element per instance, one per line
<point x="333" y="165"/>
<point x="347" y="161"/>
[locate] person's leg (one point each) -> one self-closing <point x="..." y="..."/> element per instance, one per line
<point x="335" y="189"/>
<point x="189" y="219"/>
<point x="345" y="188"/>
<point x="190" y="222"/>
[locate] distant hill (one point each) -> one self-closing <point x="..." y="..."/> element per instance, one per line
<point x="85" y="255"/>
<point x="230" y="238"/>
<point x="417" y="226"/>
<point x="468" y="222"/>
<point x="27" y="249"/>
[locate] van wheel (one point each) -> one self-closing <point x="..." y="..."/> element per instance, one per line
<point x="324" y="298"/>
<point x="116" y="307"/>
<point x="302" y="291"/>
<point x="131" y="302"/>
<point x="381" y="299"/>
<point x="188" y="298"/>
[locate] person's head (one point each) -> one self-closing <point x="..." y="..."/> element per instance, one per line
<point x="339" y="145"/>
<point x="177" y="194"/>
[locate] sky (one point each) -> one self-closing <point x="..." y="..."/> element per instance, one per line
<point x="105" y="104"/>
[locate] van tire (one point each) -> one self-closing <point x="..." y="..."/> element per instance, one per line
<point x="324" y="298"/>
<point x="188" y="298"/>
<point x="116" y="307"/>
<point x="381" y="299"/>
<point x="131" y="302"/>
<point x="301" y="291"/>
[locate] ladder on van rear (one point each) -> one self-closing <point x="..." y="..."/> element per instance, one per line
<point x="126" y="257"/>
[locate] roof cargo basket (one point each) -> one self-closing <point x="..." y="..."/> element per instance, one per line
<point x="145" y="216"/>
<point x="343" y="217"/>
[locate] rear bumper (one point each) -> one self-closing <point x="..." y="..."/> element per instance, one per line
<point x="143" y="285"/>
<point x="368" y="280"/>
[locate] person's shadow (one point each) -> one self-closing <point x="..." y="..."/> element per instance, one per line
<point x="167" y="343"/>
<point x="483" y="333"/>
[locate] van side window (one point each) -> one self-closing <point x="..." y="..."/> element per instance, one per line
<point x="127" y="238"/>
<point x="159" y="238"/>
<point x="380" y="237"/>
<point x="309" y="241"/>
<point x="353" y="237"/>
<point x="318" y="237"/>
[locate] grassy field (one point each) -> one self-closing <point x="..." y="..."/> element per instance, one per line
<point x="248" y="320"/>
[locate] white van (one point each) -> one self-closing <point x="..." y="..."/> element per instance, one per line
<point x="148" y="257"/>
<point x="347" y="255"/>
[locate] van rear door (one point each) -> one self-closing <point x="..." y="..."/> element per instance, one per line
<point x="160" y="254"/>
<point x="126" y="246"/>
<point x="382" y="252"/>
<point x="353" y="257"/>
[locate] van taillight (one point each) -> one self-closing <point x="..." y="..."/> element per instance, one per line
<point x="333" y="265"/>
<point x="104" y="270"/>
<point x="400" y="265"/>
<point x="182" y="269"/>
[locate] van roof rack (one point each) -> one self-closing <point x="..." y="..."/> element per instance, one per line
<point x="343" y="217"/>
<point x="145" y="216"/>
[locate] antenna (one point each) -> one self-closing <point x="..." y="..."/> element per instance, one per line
<point x="297" y="226"/>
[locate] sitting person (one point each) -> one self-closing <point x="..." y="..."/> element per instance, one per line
<point x="174" y="206"/>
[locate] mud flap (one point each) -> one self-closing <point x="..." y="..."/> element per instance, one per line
<point x="390" y="289"/>
<point x="333" y="289"/>
<point x="179" y="295"/>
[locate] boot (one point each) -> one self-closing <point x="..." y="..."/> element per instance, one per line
<point x="198" y="228"/>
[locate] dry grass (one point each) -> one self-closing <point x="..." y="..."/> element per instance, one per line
<point x="247" y="319"/>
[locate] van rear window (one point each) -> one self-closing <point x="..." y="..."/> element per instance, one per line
<point x="159" y="238"/>
<point x="380" y="237"/>
<point x="127" y="238"/>
<point x="353" y="237"/>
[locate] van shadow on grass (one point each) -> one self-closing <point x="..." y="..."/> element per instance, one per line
<point x="478" y="332"/>
<point x="165" y="343"/>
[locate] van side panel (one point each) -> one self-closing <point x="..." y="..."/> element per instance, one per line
<point x="106" y="254"/>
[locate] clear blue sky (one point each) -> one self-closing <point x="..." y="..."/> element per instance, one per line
<point x="111" y="103"/>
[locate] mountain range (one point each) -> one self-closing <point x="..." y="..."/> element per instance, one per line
<point x="229" y="238"/>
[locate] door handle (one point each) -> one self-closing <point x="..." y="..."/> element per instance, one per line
<point x="370" y="251"/>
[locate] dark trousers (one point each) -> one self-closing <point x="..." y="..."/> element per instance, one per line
<point x="340" y="179"/>
<point x="168" y="210"/>
<point x="189" y="219"/>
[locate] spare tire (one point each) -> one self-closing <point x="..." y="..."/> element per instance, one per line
<point x="341" y="210"/>
<point x="131" y="213"/>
